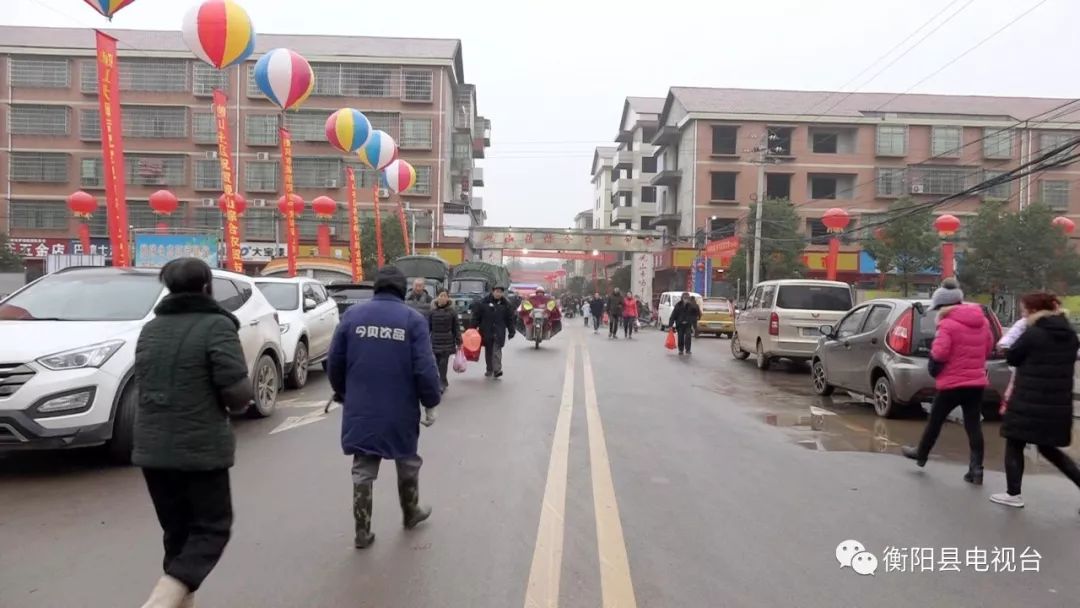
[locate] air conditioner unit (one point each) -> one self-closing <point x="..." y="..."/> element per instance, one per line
<point x="917" y="189"/>
<point x="259" y="202"/>
<point x="210" y="155"/>
<point x="384" y="193"/>
<point x="333" y="230"/>
<point x="208" y="202"/>
<point x="262" y="156"/>
<point x="332" y="183"/>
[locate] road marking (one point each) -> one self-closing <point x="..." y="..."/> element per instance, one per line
<point x="293" y="422"/>
<point x="617" y="589"/>
<point x="543" y="588"/>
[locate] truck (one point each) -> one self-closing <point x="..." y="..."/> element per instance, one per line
<point x="471" y="281"/>
<point x="433" y="270"/>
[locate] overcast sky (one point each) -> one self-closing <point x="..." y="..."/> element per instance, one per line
<point x="552" y="75"/>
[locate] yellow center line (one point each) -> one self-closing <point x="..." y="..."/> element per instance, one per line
<point x="617" y="589"/>
<point x="543" y="587"/>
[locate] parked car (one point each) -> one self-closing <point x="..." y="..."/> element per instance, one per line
<point x="782" y="319"/>
<point x="717" y="317"/>
<point x="668" y="300"/>
<point x="67" y="349"/>
<point x="347" y="294"/>
<point x="881" y="349"/>
<point x="307" y="316"/>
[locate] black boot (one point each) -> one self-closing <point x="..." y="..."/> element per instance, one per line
<point x="913" y="453"/>
<point x="409" y="494"/>
<point x="362" y="494"/>
<point x="975" y="471"/>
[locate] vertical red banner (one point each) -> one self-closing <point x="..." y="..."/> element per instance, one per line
<point x="292" y="238"/>
<point x="378" y="228"/>
<point x="356" y="259"/>
<point x="112" y="149"/>
<point x="404" y="226"/>
<point x="948" y="259"/>
<point x="233" y="259"/>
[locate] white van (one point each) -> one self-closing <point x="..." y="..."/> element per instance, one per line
<point x="668" y="300"/>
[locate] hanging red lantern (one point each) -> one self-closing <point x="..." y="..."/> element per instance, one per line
<point x="946" y="225"/>
<point x="836" y="219"/>
<point x="82" y="204"/>
<point x="239" y="203"/>
<point x="164" y="203"/>
<point x="324" y="207"/>
<point x="1065" y="224"/>
<point x="297" y="205"/>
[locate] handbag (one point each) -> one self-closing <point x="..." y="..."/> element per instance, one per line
<point x="669" y="343"/>
<point x="459" y="361"/>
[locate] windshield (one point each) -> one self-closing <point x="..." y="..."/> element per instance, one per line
<point x="282" y="296"/>
<point x="85" y="297"/>
<point x="927" y="329"/>
<point x="814" y="297"/>
<point x="468" y="286"/>
<point x="351" y="294"/>
<point x="717" y="305"/>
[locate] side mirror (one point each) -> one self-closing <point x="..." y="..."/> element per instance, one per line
<point x="309" y="304"/>
<point x="826" y="330"/>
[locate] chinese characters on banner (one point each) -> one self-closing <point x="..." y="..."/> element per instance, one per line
<point x="404" y="226"/>
<point x="355" y="257"/>
<point x="378" y="226"/>
<point x="232" y="222"/>
<point x="562" y="240"/>
<point x="291" y="237"/>
<point x="112" y="149"/>
<point x="642" y="274"/>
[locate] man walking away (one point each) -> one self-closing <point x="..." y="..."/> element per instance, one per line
<point x="596" y="307"/>
<point x="445" y="333"/>
<point x="191" y="372"/>
<point x="630" y="313"/>
<point x="684" y="318"/>
<point x="382" y="366"/>
<point x="418" y="297"/>
<point x="614" y="311"/>
<point x="494" y="317"/>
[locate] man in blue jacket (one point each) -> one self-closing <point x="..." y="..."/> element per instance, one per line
<point x="382" y="366"/>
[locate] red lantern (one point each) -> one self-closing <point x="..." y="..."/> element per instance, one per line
<point x="163" y="202"/>
<point x="239" y="203"/>
<point x="297" y="205"/>
<point x="82" y="204"/>
<point x="1064" y="223"/>
<point x="324" y="207"/>
<point x="836" y="219"/>
<point x="946" y="225"/>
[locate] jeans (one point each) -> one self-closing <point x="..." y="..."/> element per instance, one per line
<point x="365" y="468"/>
<point x="194" y="509"/>
<point x="969" y="400"/>
<point x="595" y="323"/>
<point x="613" y="326"/>
<point x="443" y="360"/>
<point x="1014" y="464"/>
<point x="685" y="332"/>
<point x="493" y="357"/>
<point x="628" y="325"/>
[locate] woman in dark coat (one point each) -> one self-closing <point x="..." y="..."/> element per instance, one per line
<point x="445" y="332"/>
<point x="1040" y="408"/>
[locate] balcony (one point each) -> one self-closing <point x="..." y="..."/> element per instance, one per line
<point x="666" y="177"/>
<point x="623" y="215"/>
<point x="478" y="177"/>
<point x="624" y="159"/>
<point x="483" y="130"/>
<point x="648" y="208"/>
<point x="623" y="185"/>
<point x="666" y="135"/>
<point x="647" y="149"/>
<point x="670" y="219"/>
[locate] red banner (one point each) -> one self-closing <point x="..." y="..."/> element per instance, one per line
<point x="378" y="228"/>
<point x="292" y="238"/>
<point x="722" y="248"/>
<point x="233" y="259"/>
<point x="404" y="226"/>
<point x="112" y="149"/>
<point x="355" y="252"/>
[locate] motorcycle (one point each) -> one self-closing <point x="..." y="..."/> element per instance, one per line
<point x="538" y="323"/>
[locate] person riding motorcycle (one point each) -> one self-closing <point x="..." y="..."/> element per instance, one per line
<point x="539" y="300"/>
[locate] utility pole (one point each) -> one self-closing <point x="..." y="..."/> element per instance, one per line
<point x="762" y="150"/>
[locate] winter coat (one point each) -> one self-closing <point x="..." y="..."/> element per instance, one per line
<point x="615" y="305"/>
<point x="685" y="313"/>
<point x="185" y="358"/>
<point x="1040" y="409"/>
<point x="597" y="307"/>
<point x="418" y="298"/>
<point x="586" y="310"/>
<point x="629" y="307"/>
<point x="962" y="345"/>
<point x="494" y="318"/>
<point x="381" y="362"/>
<point x="445" y="330"/>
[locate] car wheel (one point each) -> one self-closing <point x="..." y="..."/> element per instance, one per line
<point x="885" y="404"/>
<point x="123" y="434"/>
<point x="298" y="376"/>
<point x="736" y="349"/>
<point x="266" y="388"/>
<point x="821" y="383"/>
<point x="762" y="360"/>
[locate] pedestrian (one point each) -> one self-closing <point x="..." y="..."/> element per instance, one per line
<point x="191" y="373"/>
<point x="445" y="332"/>
<point x="382" y="368"/>
<point x="1040" y="409"/>
<point x="494" y="317"/>
<point x="614" y="311"/>
<point x="418" y="297"/>
<point x="684" y="318"/>
<point x="958" y="364"/>
<point x="596" y="307"/>
<point x="586" y="311"/>
<point x="629" y="316"/>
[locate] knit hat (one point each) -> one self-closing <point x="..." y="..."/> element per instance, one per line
<point x="948" y="294"/>
<point x="389" y="278"/>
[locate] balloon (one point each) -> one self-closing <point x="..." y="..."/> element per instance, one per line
<point x="348" y="129"/>
<point x="399" y="176"/>
<point x="379" y="151"/>
<point x="82" y="203"/>
<point x="239" y="203"/>
<point x="285" y="77"/>
<point x="108" y="7"/>
<point x="219" y="32"/>
<point x="163" y="202"/>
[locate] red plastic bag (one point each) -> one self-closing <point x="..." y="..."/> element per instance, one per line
<point x="670" y="342"/>
<point x="605" y="319"/>
<point x="471" y="344"/>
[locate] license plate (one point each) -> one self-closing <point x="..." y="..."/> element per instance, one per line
<point x="809" y="332"/>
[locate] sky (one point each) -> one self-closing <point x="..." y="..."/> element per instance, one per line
<point x="552" y="75"/>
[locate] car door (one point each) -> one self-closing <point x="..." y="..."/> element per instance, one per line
<point x="864" y="345"/>
<point x="843" y="365"/>
<point x="230" y="297"/>
<point x="747" y="327"/>
<point x="328" y="316"/>
<point x="312" y="319"/>
<point x="763" y="312"/>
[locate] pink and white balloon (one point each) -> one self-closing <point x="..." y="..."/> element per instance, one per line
<point x="399" y="175"/>
<point x="285" y="77"/>
<point x="379" y="151"/>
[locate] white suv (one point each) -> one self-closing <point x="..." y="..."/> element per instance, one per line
<point x="67" y="349"/>
<point x="308" y="317"/>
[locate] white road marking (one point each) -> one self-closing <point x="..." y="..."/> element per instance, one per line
<point x="293" y="422"/>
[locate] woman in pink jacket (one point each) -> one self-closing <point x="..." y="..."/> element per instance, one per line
<point x="958" y="364"/>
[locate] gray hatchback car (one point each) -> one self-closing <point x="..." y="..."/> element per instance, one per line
<point x="880" y="350"/>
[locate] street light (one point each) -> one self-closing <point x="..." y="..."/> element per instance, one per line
<point x="595" y="252"/>
<point x="525" y="252"/>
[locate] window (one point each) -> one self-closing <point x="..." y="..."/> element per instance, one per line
<point x="852" y="323"/>
<point x="998" y="143"/>
<point x="1051" y="141"/>
<point x="40" y="167"/>
<point x="891" y="181"/>
<point x="307" y="126"/>
<point x="648" y="134"/>
<point x="812" y="297"/>
<point x="780" y="141"/>
<point x="724" y="140"/>
<point x="648" y="164"/>
<point x="261" y="176"/>
<point x="91" y="173"/>
<point x="778" y="185"/>
<point x="416" y="133"/>
<point x="142" y="217"/>
<point x="155" y="122"/>
<point x="1000" y="191"/>
<point x="723" y="186"/>
<point x="208" y="175"/>
<point x="261" y="130"/>
<point x="150" y="75"/>
<point x="388" y="123"/>
<point x="155" y="170"/>
<point x="38" y="120"/>
<point x="891" y="140"/>
<point x="423" y="181"/>
<point x="648" y="194"/>
<point x="207" y="218"/>
<point x="311" y="172"/>
<point x="226" y="294"/>
<point x="205" y="79"/>
<point x="824" y="142"/>
<point x="878" y="316"/>
<point x="260" y="225"/>
<point x="768" y="296"/>
<point x="312" y="291"/>
<point x="417" y="85"/>
<point x="40" y="72"/>
<point x="823" y="187"/>
<point x="39" y="215"/>
<point x="942" y="180"/>
<point x="946" y="141"/>
<point x="89" y="125"/>
<point x="368" y="81"/>
<point x="819" y="233"/>
<point x="1054" y="193"/>
<point x="203" y="128"/>
<point x="365" y="178"/>
<point x="722" y="228"/>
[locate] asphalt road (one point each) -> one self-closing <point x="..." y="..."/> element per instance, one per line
<point x="646" y="480"/>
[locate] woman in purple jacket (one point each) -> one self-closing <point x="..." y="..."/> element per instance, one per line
<point x="958" y="364"/>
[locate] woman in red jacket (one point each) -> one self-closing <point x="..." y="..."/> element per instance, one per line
<point x="629" y="315"/>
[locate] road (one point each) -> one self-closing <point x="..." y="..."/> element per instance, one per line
<point x="596" y="473"/>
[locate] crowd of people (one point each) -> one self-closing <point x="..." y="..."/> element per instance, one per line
<point x="623" y="312"/>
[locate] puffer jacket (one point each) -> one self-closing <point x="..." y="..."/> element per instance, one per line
<point x="962" y="345"/>
<point x="630" y="307"/>
<point x="615" y="305"/>
<point x="1040" y="409"/>
<point x="445" y="331"/>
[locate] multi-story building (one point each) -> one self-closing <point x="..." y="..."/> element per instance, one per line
<point x="583" y="220"/>
<point x="602" y="171"/>
<point x="414" y="89"/>
<point x="633" y="198"/>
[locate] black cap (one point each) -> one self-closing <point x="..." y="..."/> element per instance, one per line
<point x="389" y="278"/>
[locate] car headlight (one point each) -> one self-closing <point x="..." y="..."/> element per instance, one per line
<point x="284" y="327"/>
<point x="94" y="355"/>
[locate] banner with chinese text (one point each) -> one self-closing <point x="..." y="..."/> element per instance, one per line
<point x="355" y="253"/>
<point x="156" y="250"/>
<point x="378" y="228"/>
<point x="234" y="262"/>
<point x="112" y="149"/>
<point x="404" y="226"/>
<point x="292" y="239"/>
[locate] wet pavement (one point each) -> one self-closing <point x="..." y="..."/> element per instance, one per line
<point x="596" y="473"/>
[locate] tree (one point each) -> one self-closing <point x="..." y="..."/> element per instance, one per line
<point x="577" y="285"/>
<point x="9" y="260"/>
<point x="905" y="246"/>
<point x="393" y="245"/>
<point x="621" y="278"/>
<point x="782" y="243"/>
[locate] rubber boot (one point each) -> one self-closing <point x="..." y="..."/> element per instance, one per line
<point x="409" y="494"/>
<point x="168" y="593"/>
<point x="362" y="495"/>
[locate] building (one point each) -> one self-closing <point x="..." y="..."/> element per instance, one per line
<point x="603" y="166"/>
<point x="633" y="200"/>
<point x="583" y="220"/>
<point x="414" y="89"/>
